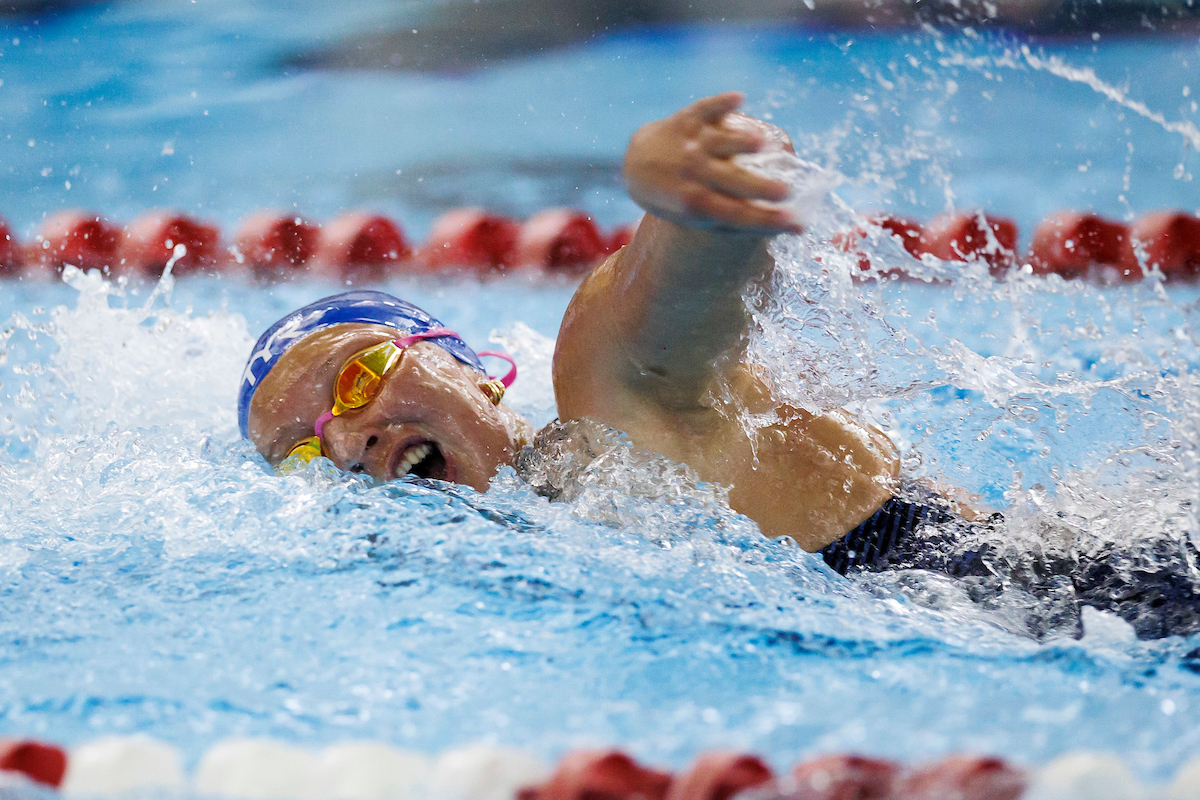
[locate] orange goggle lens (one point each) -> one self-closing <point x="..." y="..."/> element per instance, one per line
<point x="358" y="382"/>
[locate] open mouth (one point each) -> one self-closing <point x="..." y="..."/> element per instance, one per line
<point x="424" y="460"/>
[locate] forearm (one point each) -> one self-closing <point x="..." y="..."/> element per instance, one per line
<point x="676" y="300"/>
<point x="646" y="330"/>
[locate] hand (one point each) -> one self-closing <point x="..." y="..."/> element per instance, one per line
<point x="680" y="169"/>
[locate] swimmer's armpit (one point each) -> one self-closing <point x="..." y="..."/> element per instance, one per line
<point x="680" y="169"/>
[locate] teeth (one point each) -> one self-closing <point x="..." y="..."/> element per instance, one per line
<point x="413" y="456"/>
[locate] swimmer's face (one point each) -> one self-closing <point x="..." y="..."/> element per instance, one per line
<point x="428" y="398"/>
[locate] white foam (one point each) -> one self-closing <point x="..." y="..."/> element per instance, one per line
<point x="1106" y="628"/>
<point x="144" y="367"/>
<point x="533" y="393"/>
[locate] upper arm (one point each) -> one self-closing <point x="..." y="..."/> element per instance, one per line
<point x="645" y="329"/>
<point x="588" y="368"/>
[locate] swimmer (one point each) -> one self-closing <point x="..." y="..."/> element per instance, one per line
<point x="651" y="339"/>
<point x="378" y="386"/>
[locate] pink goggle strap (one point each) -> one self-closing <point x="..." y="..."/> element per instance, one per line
<point x="434" y="333"/>
<point x="319" y="425"/>
<point x="511" y="375"/>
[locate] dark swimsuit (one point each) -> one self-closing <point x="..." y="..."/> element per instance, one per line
<point x="907" y="535"/>
<point x="1150" y="587"/>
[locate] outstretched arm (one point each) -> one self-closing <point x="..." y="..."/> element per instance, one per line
<point x="647" y="327"/>
<point x="649" y="333"/>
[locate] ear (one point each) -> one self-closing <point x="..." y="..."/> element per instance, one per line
<point x="493" y="390"/>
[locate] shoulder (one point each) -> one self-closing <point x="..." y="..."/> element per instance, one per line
<point x="588" y="348"/>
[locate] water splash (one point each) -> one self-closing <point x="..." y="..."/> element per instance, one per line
<point x="1055" y="65"/>
<point x="533" y="394"/>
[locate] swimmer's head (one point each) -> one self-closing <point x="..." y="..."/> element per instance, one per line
<point x="434" y="414"/>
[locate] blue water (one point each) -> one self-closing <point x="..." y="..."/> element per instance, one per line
<point x="158" y="578"/>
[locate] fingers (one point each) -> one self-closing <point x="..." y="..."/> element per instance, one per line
<point x="712" y="109"/>
<point x="721" y="211"/>
<point x="723" y="143"/>
<point x="730" y="179"/>
<point x="680" y="169"/>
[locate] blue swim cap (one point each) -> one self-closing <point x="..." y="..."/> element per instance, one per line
<point x="359" y="306"/>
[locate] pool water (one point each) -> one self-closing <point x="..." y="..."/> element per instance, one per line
<point x="158" y="578"/>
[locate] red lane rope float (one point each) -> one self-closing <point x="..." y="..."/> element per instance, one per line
<point x="470" y="238"/>
<point x="82" y="238"/>
<point x="612" y="775"/>
<point x="361" y="246"/>
<point x="950" y="237"/>
<point x="1070" y="243"/>
<point x="10" y="251"/>
<point x="1171" y="241"/>
<point x="719" y="776"/>
<point x="150" y="242"/>
<point x="970" y="236"/>
<point x="963" y="776"/>
<point x="40" y="762"/>
<point x="844" y="776"/>
<point x="600" y="775"/>
<point x="906" y="230"/>
<point x="276" y="243"/>
<point x="558" y="239"/>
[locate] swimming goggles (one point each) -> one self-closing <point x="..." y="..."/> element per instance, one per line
<point x="360" y="380"/>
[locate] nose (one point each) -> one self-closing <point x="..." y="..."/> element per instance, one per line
<point x="354" y="447"/>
